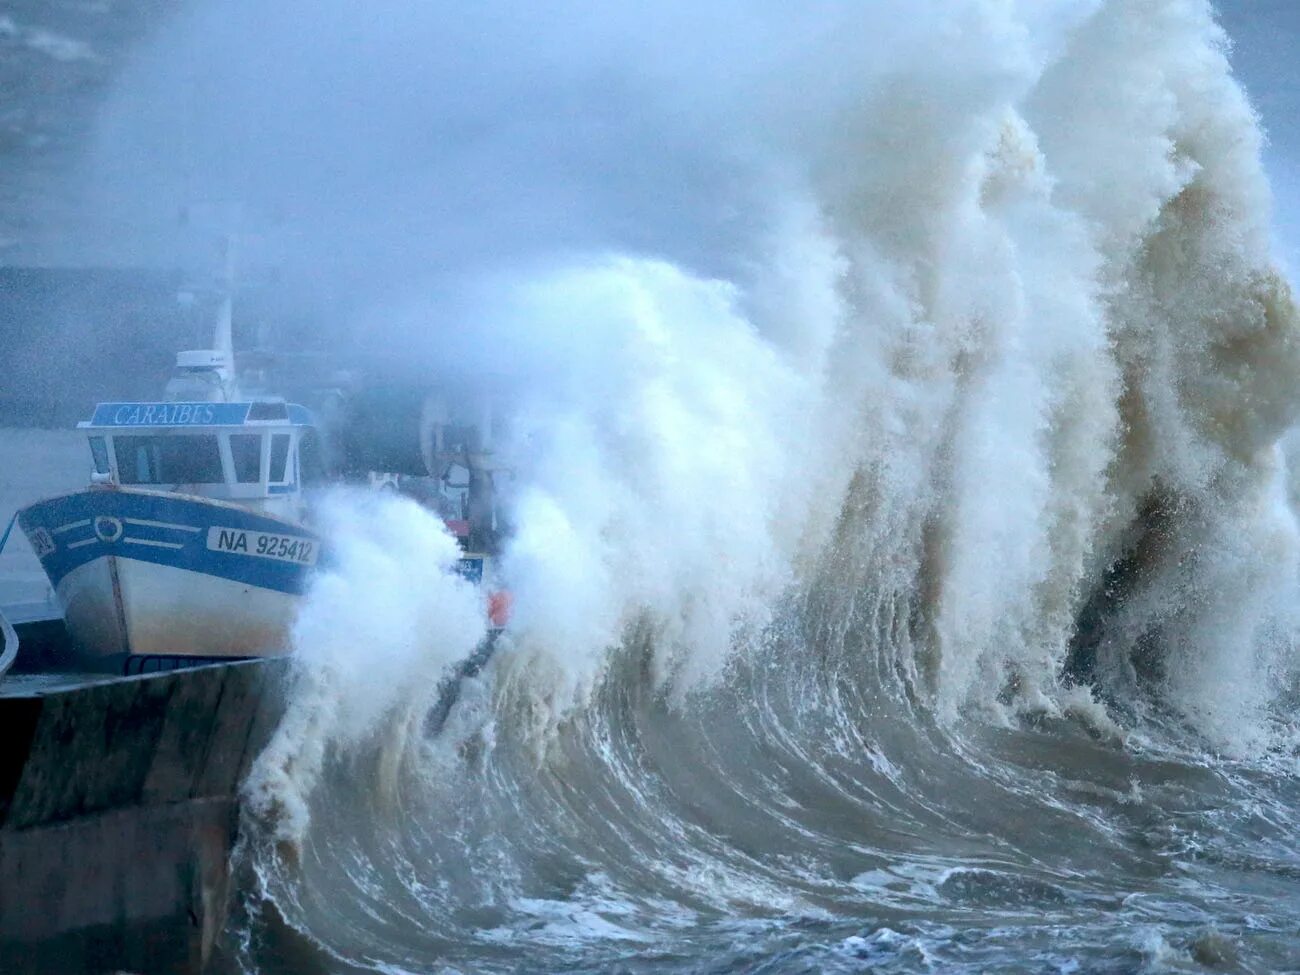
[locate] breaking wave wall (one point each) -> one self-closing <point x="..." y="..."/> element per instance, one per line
<point x="900" y="478"/>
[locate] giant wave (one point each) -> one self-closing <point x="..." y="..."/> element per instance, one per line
<point x="906" y="544"/>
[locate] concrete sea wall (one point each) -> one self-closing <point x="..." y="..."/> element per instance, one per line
<point x="118" y="812"/>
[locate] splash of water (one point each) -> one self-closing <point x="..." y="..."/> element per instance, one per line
<point x="1005" y="324"/>
<point x="351" y="683"/>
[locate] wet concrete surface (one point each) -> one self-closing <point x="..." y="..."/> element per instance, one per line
<point x="118" y="812"/>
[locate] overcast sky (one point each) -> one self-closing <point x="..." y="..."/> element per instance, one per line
<point x="1266" y="57"/>
<point x="60" y="60"/>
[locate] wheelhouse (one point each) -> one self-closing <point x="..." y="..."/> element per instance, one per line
<point x="250" y="453"/>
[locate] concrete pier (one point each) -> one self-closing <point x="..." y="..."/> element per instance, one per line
<point x="118" y="812"/>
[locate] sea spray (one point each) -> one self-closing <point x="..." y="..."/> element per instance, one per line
<point x="383" y="621"/>
<point x="677" y="444"/>
<point x="892" y="338"/>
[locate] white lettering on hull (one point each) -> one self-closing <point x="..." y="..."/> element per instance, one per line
<point x="265" y="545"/>
<point x="42" y="543"/>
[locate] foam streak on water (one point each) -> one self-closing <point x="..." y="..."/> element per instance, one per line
<point x="808" y="531"/>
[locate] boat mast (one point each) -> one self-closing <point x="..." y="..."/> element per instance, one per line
<point x="222" y="339"/>
<point x="208" y="375"/>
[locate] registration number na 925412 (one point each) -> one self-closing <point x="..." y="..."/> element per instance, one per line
<point x="266" y="545"/>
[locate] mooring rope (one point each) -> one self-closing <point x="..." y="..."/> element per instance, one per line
<point x="8" y="528"/>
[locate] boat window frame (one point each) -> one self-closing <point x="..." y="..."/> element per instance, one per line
<point x="234" y="480"/>
<point x="286" y="468"/>
<point x="229" y="485"/>
<point x="101" y="454"/>
<point x="158" y="434"/>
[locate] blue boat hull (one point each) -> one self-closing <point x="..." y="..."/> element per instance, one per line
<point x="143" y="573"/>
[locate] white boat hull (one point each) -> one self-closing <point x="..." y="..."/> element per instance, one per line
<point x="119" y="606"/>
<point x="144" y="574"/>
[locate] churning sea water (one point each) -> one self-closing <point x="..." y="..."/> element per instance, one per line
<point x="918" y="597"/>
<point x="905" y="544"/>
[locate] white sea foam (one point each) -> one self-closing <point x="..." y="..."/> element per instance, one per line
<point x="861" y="358"/>
<point x="379" y="628"/>
<point x="1003" y="301"/>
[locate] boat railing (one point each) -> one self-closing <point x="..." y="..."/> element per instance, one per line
<point x="9" y="650"/>
<point x="8" y="635"/>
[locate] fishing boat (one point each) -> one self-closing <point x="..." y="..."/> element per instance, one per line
<point x="184" y="543"/>
<point x="192" y="541"/>
<point x="189" y="542"/>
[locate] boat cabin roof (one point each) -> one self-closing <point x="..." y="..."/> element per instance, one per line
<point x="244" y="452"/>
<point x="171" y="416"/>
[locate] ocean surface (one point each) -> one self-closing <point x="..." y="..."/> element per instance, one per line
<point x="899" y="456"/>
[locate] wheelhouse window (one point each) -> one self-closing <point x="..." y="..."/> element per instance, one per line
<point x="246" y="452"/>
<point x="168" y="459"/>
<point x="311" y="465"/>
<point x="279" y="457"/>
<point x="99" y="452"/>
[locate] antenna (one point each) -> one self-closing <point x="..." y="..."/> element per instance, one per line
<point x="208" y="375"/>
<point x="222" y="338"/>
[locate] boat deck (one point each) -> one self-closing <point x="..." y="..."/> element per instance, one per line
<point x="41" y="638"/>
